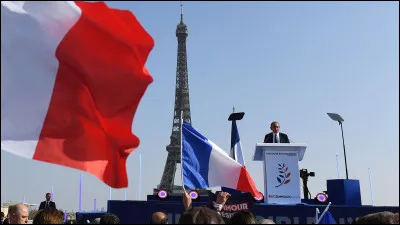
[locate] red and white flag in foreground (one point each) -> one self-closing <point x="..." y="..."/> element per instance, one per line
<point x="72" y="76"/>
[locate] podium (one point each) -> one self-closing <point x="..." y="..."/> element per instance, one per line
<point x="281" y="171"/>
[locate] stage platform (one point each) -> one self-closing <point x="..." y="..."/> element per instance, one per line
<point x="139" y="212"/>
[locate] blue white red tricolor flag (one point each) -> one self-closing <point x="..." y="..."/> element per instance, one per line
<point x="236" y="145"/>
<point x="204" y="165"/>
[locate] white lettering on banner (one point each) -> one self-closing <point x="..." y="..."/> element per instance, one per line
<point x="170" y="218"/>
<point x="310" y="220"/>
<point x="285" y="219"/>
<point x="349" y="220"/>
<point x="277" y="219"/>
<point x="226" y="215"/>
<point x="282" y="196"/>
<point x="235" y="207"/>
<point x="260" y="217"/>
<point x="296" y="220"/>
<point x="229" y="210"/>
<point x="287" y="154"/>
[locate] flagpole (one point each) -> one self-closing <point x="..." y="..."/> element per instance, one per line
<point x="109" y="198"/>
<point x="323" y="213"/>
<point x="337" y="166"/>
<point x="125" y="194"/>
<point x="233" y="153"/>
<point x="140" y="177"/>
<point x="181" y="124"/>
<point x="316" y="215"/>
<point x="65" y="216"/>
<point x="94" y="205"/>
<point x="52" y="193"/>
<point x="23" y="201"/>
<point x="80" y="193"/>
<point x="370" y="186"/>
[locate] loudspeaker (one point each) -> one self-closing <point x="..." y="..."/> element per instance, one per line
<point x="344" y="192"/>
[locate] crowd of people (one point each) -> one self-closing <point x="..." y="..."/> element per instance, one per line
<point x="48" y="214"/>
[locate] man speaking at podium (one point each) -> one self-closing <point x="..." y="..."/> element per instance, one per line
<point x="275" y="136"/>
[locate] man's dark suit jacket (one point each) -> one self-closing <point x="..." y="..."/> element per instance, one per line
<point x="43" y="205"/>
<point x="283" y="138"/>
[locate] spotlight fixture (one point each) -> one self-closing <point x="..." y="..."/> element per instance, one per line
<point x="194" y="194"/>
<point x="321" y="198"/>
<point x="259" y="199"/>
<point x="162" y="194"/>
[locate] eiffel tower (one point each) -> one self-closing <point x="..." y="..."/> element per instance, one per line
<point x="181" y="104"/>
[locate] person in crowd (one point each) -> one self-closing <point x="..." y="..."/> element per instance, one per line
<point x="243" y="217"/>
<point x="159" y="218"/>
<point x="201" y="215"/>
<point x="187" y="200"/>
<point x="18" y="214"/>
<point x="2" y="217"/>
<point x="378" y="218"/>
<point x="48" y="203"/>
<point x="275" y="136"/>
<point x="222" y="197"/>
<point x="5" y="221"/>
<point x="96" y="221"/>
<point x="109" y="218"/>
<point x="48" y="216"/>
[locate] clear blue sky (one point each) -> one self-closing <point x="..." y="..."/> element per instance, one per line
<point x="287" y="61"/>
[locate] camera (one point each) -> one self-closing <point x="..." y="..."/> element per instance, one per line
<point x="305" y="174"/>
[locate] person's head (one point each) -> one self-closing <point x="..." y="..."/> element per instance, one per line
<point x="378" y="218"/>
<point x="275" y="127"/>
<point x="266" y="221"/>
<point x="18" y="214"/>
<point x="2" y="216"/>
<point x="109" y="218"/>
<point x="201" y="215"/>
<point x="48" y="196"/>
<point x="48" y="216"/>
<point x="6" y="221"/>
<point x="159" y="218"/>
<point x="243" y="217"/>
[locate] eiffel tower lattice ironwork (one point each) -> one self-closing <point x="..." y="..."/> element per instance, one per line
<point x="181" y="105"/>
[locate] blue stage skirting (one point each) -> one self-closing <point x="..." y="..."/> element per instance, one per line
<point x="139" y="212"/>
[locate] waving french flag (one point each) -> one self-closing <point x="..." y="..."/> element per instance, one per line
<point x="204" y="165"/>
<point x="72" y="76"/>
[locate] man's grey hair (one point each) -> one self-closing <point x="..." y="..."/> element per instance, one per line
<point x="265" y="221"/>
<point x="378" y="218"/>
<point x="96" y="221"/>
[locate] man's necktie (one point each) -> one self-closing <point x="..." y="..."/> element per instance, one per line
<point x="275" y="139"/>
<point x="47" y="205"/>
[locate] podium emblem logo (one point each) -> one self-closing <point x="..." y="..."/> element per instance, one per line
<point x="283" y="175"/>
